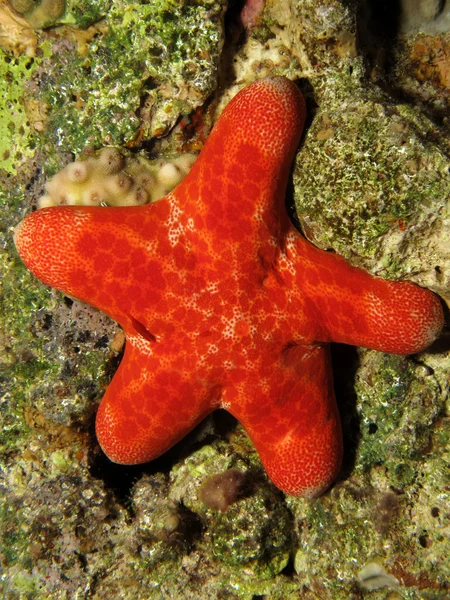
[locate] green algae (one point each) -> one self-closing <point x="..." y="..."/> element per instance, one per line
<point x="195" y="577"/>
<point x="23" y="357"/>
<point x="14" y="539"/>
<point x="17" y="143"/>
<point x="253" y="533"/>
<point x="22" y="296"/>
<point x="367" y="524"/>
<point x="18" y="140"/>
<point x="84" y="13"/>
<point x="247" y="546"/>
<point x="398" y="407"/>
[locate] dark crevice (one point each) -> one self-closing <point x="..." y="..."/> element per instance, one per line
<point x="120" y="479"/>
<point x="289" y="569"/>
<point x="311" y="109"/>
<point x="234" y="36"/>
<point x="378" y="27"/>
<point x="379" y="41"/>
<point x="345" y="361"/>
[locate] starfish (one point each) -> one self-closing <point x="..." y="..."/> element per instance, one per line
<point x="224" y="303"/>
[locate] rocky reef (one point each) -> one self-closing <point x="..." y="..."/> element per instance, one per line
<point x="371" y="181"/>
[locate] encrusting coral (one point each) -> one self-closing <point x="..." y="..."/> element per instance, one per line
<point x="113" y="178"/>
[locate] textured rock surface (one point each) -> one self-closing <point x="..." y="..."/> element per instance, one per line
<point x="371" y="182"/>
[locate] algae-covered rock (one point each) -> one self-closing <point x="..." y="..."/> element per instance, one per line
<point x="252" y="529"/>
<point x="370" y="181"/>
<point x="240" y="549"/>
<point x="17" y="142"/>
<point x="84" y="13"/>
<point x="135" y="78"/>
<point x="399" y="403"/>
<point x="46" y="540"/>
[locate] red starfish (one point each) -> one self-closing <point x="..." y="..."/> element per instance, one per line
<point x="224" y="303"/>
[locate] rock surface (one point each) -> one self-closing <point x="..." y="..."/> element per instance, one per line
<point x="371" y="181"/>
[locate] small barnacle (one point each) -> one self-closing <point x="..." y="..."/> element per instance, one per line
<point x="72" y="198"/>
<point x="54" y="8"/>
<point x="94" y="195"/>
<point x="45" y="201"/>
<point x="56" y="187"/>
<point x="186" y="161"/>
<point x="169" y="174"/>
<point x="145" y="180"/>
<point x="77" y="172"/>
<point x="141" y="195"/>
<point x="119" y="185"/>
<point x="223" y="489"/>
<point x="44" y="14"/>
<point x="110" y="160"/>
<point x="136" y="197"/>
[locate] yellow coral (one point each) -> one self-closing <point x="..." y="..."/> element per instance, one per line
<point x="40" y="14"/>
<point x="115" y="178"/>
<point x="54" y="9"/>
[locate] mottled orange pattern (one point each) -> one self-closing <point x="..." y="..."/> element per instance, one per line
<point x="224" y="303"/>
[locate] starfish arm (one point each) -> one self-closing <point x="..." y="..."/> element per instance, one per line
<point x="116" y="259"/>
<point x="149" y="406"/>
<point x="293" y="421"/>
<point x="237" y="186"/>
<point x="354" y="307"/>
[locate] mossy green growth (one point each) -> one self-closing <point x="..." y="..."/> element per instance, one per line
<point x="331" y="531"/>
<point x="24" y="360"/>
<point x="365" y="168"/>
<point x="112" y="93"/>
<point x="26" y="585"/>
<point x="263" y="30"/>
<point x="23" y="356"/>
<point x="22" y="296"/>
<point x="254" y="533"/>
<point x="14" y="539"/>
<point x="398" y="406"/>
<point x="84" y="13"/>
<point x="17" y="142"/>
